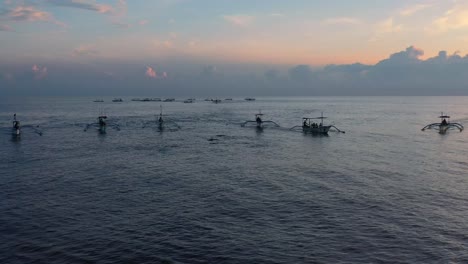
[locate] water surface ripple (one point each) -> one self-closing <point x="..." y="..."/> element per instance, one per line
<point x="213" y="192"/>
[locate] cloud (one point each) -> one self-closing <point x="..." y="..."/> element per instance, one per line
<point x="384" y="27"/>
<point x="28" y="13"/>
<point x="121" y="24"/>
<point x="411" y="10"/>
<point x="150" y="72"/>
<point x="409" y="56"/>
<point x="5" y="28"/>
<point x="300" y="73"/>
<point x="453" y="19"/>
<point x="85" y="50"/>
<point x="239" y="20"/>
<point x="210" y="70"/>
<point x="389" y="26"/>
<point x="39" y="72"/>
<point x="83" y="4"/>
<point x="277" y="15"/>
<point x="341" y="21"/>
<point x="271" y="75"/>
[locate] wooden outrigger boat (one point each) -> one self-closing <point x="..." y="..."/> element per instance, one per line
<point x="162" y="123"/>
<point x="259" y="122"/>
<point x="319" y="128"/>
<point x="101" y="124"/>
<point x="16" y="131"/>
<point x="444" y="125"/>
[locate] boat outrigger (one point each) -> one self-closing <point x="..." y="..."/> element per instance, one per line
<point x="444" y="125"/>
<point x="310" y="126"/>
<point x="259" y="121"/>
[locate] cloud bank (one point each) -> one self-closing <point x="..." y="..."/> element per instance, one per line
<point x="401" y="73"/>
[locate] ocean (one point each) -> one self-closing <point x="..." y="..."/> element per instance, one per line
<point x="210" y="191"/>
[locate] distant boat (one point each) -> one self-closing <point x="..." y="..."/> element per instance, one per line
<point x="208" y="99"/>
<point x="216" y="101"/>
<point x="228" y="99"/>
<point x="169" y="100"/>
<point x="117" y="100"/>
<point x="136" y="99"/>
<point x="189" y="101"/>
<point x="98" y="101"/>
<point x="250" y="99"/>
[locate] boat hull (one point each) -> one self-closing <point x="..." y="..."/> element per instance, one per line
<point x="16" y="132"/>
<point x="317" y="130"/>
<point x="102" y="129"/>
<point x="443" y="129"/>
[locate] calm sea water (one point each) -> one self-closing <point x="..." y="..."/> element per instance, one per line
<point x="214" y="192"/>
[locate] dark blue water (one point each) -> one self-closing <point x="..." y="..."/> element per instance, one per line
<point x="213" y="192"/>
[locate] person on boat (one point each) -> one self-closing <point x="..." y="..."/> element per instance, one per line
<point x="258" y="120"/>
<point x="304" y="124"/>
<point x="444" y="122"/>
<point x="101" y="121"/>
<point x="160" y="120"/>
<point x="16" y="123"/>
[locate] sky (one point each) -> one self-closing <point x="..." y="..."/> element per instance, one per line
<point x="226" y="47"/>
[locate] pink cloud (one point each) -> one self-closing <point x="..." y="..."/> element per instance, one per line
<point x="84" y="50"/>
<point x="5" y="28"/>
<point x="28" y="13"/>
<point x="239" y="20"/>
<point x="83" y="4"/>
<point x="39" y="72"/>
<point x="31" y="14"/>
<point x="150" y="72"/>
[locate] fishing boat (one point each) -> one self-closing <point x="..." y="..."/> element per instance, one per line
<point x="444" y="125"/>
<point x="309" y="125"/>
<point x="250" y="99"/>
<point x="216" y="101"/>
<point x="102" y="123"/>
<point x="169" y="100"/>
<point x="259" y="122"/>
<point x="228" y="99"/>
<point x="16" y="130"/>
<point x="162" y="123"/>
<point x="117" y="100"/>
<point x="189" y="101"/>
